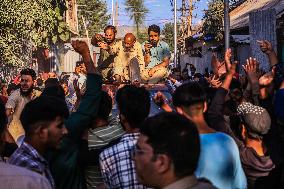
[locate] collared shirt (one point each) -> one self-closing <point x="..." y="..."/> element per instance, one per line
<point x="158" y="53"/>
<point x="26" y="156"/>
<point x="117" y="166"/>
<point x="17" y="177"/>
<point x="17" y="102"/>
<point x="123" y="58"/>
<point x="106" y="59"/>
<point x="190" y="182"/>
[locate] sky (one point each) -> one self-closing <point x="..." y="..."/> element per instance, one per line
<point x="159" y="12"/>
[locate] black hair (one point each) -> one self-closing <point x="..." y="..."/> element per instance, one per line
<point x="105" y="106"/>
<point x="39" y="82"/>
<point x="55" y="91"/>
<point x="177" y="137"/>
<point x="134" y="103"/>
<point x="3" y="117"/>
<point x="28" y="71"/>
<point x="189" y="94"/>
<point x="41" y="110"/>
<point x="113" y="28"/>
<point x="154" y="28"/>
<point x="79" y="63"/>
<point x="51" y="82"/>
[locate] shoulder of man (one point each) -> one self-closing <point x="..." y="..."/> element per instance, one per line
<point x="164" y="44"/>
<point x="36" y="92"/>
<point x="22" y="177"/>
<point x="13" y="99"/>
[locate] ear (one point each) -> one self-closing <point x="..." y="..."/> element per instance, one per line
<point x="163" y="163"/>
<point x="244" y="132"/>
<point x="122" y="118"/>
<point x="205" y="107"/>
<point x="41" y="132"/>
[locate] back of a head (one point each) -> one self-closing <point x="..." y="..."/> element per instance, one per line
<point x="133" y="103"/>
<point x="189" y="94"/>
<point x="3" y="118"/>
<point x="175" y="136"/>
<point x="256" y="119"/>
<point x="54" y="91"/>
<point x="105" y="106"/>
<point x="50" y="82"/>
<point x="43" y="109"/>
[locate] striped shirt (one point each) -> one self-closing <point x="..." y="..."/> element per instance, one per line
<point x="99" y="138"/>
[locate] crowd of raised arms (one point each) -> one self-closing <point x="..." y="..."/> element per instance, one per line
<point x="97" y="128"/>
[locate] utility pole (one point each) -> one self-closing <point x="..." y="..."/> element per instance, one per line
<point x="227" y="24"/>
<point x="183" y="26"/>
<point x="116" y="14"/>
<point x="175" y="33"/>
<point x="112" y="11"/>
<point x="189" y="18"/>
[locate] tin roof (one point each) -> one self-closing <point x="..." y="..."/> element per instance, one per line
<point x="239" y="17"/>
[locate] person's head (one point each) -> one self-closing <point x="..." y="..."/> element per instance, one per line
<point x="51" y="82"/>
<point x="255" y="121"/>
<point x="43" y="121"/>
<point x="190" y="100"/>
<point x="192" y="69"/>
<point x="104" y="110"/>
<point x="80" y="67"/>
<point x="28" y="76"/>
<point x="167" y="149"/>
<point x="64" y="84"/>
<point x="55" y="91"/>
<point x="52" y="75"/>
<point x="134" y="106"/>
<point x="3" y="122"/>
<point x="39" y="82"/>
<point x="129" y="40"/>
<point x="110" y="33"/>
<point x="154" y="34"/>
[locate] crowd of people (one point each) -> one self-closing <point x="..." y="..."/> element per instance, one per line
<point x="220" y="129"/>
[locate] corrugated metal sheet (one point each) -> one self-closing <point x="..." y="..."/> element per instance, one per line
<point x="70" y="59"/>
<point x="239" y="17"/>
<point x="262" y="27"/>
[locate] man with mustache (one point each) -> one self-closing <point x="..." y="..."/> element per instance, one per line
<point x="17" y="100"/>
<point x="156" y="56"/>
<point x="105" y="62"/>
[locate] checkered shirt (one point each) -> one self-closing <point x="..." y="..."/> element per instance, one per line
<point x="117" y="166"/>
<point x="26" y="156"/>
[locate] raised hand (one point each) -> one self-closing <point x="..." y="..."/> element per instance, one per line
<point x="96" y="39"/>
<point x="233" y="68"/>
<point x="80" y="47"/>
<point x="266" y="79"/>
<point x="159" y="99"/>
<point x="147" y="47"/>
<point x="228" y="55"/>
<point x="214" y="82"/>
<point x="103" y="45"/>
<point x="252" y="69"/>
<point x="265" y="46"/>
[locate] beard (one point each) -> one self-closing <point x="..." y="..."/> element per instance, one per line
<point x="28" y="92"/>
